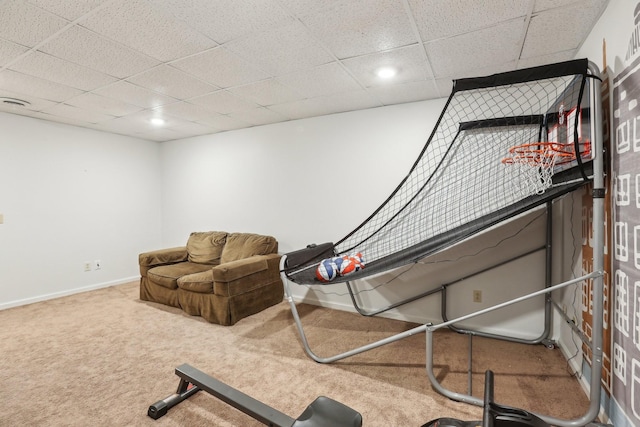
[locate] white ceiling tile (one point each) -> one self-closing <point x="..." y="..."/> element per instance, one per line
<point x="225" y="20"/>
<point x="173" y="82"/>
<point x="541" y="5"/>
<point x="26" y="24"/>
<point x="99" y="103"/>
<point x="445" y="18"/>
<point x="298" y="58"/>
<point x="308" y="7"/>
<point x="133" y="94"/>
<point x="322" y="80"/>
<point x="220" y="67"/>
<point x="444" y="87"/>
<point x="187" y="111"/>
<point x="259" y="116"/>
<point x="558" y="29"/>
<point x="463" y="55"/>
<point x="9" y="51"/>
<point x="60" y="71"/>
<point x="405" y="92"/>
<point x="281" y="50"/>
<point x="348" y="101"/>
<point x="151" y="31"/>
<point x="70" y="10"/>
<point x="123" y="125"/>
<point x="191" y="128"/>
<point x="69" y="120"/>
<point x="73" y="114"/>
<point x="355" y="100"/>
<point x="139" y="121"/>
<point x="547" y="59"/>
<point x="488" y="70"/>
<point x="266" y="92"/>
<point x="87" y="48"/>
<point x="162" y="134"/>
<point x="357" y="28"/>
<point x="223" y="102"/>
<point x="225" y="123"/>
<point x="299" y="109"/>
<point x="35" y="86"/>
<point x="409" y="62"/>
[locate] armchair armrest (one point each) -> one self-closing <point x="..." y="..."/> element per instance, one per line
<point x="148" y="260"/>
<point x="244" y="275"/>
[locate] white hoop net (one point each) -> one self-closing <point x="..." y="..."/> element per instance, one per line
<point x="536" y="163"/>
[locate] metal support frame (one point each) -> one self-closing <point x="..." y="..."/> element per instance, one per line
<point x="598" y="267"/>
<point x="442" y="289"/>
<point x="596" y="276"/>
<point x="596" y="344"/>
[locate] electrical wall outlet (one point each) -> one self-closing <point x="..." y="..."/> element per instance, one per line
<point x="1" y="218"/>
<point x="477" y="296"/>
<point x="87" y="266"/>
<point x="97" y="264"/>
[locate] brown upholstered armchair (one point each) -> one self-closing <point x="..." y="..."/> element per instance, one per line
<point x="220" y="276"/>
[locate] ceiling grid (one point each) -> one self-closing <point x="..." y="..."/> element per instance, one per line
<point x="209" y="66"/>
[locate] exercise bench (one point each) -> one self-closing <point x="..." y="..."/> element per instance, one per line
<point x="322" y="412"/>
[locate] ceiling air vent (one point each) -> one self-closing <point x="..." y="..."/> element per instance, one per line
<point x="14" y="102"/>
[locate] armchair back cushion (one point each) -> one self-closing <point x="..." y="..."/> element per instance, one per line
<point x="206" y="247"/>
<point x="245" y="245"/>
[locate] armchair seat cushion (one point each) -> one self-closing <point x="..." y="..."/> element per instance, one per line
<point x="167" y="275"/>
<point x="201" y="282"/>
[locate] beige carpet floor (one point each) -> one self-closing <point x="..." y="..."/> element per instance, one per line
<point x="100" y="358"/>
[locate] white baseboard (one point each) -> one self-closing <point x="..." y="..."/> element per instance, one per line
<point x="39" y="298"/>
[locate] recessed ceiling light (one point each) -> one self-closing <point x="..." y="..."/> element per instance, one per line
<point x="14" y="102"/>
<point x="386" y="72"/>
<point x="157" y="121"/>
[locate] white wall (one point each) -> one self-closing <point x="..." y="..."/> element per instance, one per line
<point x="70" y="195"/>
<point x="303" y="181"/>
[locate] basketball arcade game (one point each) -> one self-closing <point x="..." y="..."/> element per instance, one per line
<point x="534" y="135"/>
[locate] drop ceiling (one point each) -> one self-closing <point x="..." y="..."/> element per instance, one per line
<point x="209" y="66"/>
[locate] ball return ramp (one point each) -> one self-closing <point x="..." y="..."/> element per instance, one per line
<point x="503" y="145"/>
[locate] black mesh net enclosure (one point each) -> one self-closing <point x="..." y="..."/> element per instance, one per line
<point x="502" y="145"/>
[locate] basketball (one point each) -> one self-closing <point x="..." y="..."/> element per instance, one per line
<point x="358" y="257"/>
<point x="350" y="264"/>
<point x="327" y="270"/>
<point x="338" y="261"/>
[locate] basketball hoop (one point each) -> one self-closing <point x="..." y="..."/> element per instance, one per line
<point x="536" y="161"/>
